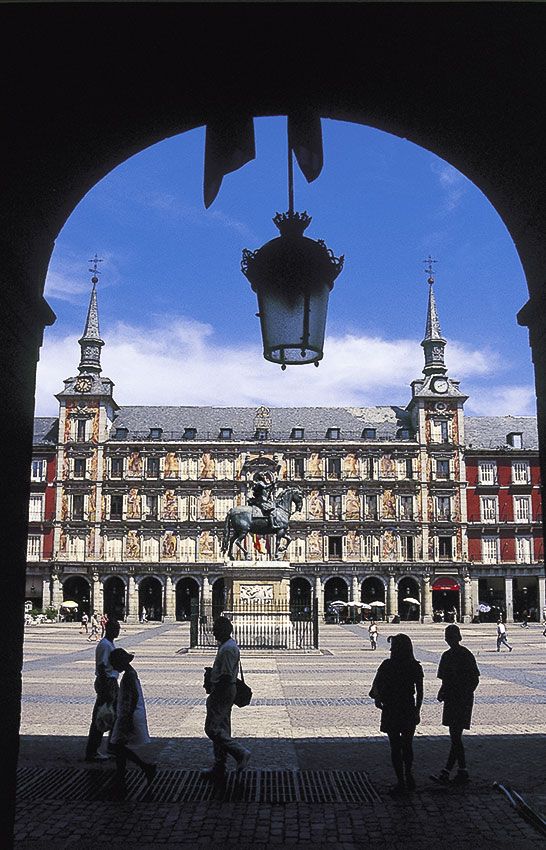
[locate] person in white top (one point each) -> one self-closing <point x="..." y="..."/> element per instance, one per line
<point x="220" y="685"/>
<point x="372" y="629"/>
<point x="501" y="636"/>
<point x="131" y="725"/>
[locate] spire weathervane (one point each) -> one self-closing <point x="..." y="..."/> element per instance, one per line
<point x="429" y="269"/>
<point x="433" y="343"/>
<point x="96" y="260"/>
<point x="91" y="342"/>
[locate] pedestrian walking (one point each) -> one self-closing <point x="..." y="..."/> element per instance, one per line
<point x="106" y="688"/>
<point x="460" y="677"/>
<point x="131" y="725"/>
<point x="502" y="637"/>
<point x="84" y="623"/>
<point x="220" y="685"/>
<point x="94" y="623"/>
<point x="103" y="621"/>
<point x="397" y="690"/>
<point x="372" y="630"/>
<point x="524" y="620"/>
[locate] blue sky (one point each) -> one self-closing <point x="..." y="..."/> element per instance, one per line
<point x="178" y="316"/>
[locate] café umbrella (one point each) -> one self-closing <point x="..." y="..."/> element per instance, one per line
<point x="377" y="604"/>
<point x="411" y="600"/>
<point x="69" y="604"/>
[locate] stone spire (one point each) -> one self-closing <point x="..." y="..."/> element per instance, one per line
<point x="91" y="342"/>
<point x="433" y="343"/>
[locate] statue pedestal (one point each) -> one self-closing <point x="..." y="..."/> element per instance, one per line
<point x="260" y="582"/>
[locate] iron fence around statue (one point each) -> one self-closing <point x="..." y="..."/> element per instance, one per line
<point x="264" y="625"/>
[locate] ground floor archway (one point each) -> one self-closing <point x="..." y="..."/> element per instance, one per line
<point x="372" y="593"/>
<point x="150" y="599"/>
<point x="76" y="589"/>
<point x="187" y="598"/>
<point x="219" y="594"/>
<point x="492" y="599"/>
<point x="446" y="600"/>
<point x="336" y="589"/>
<point x="409" y="599"/>
<point x="114" y="598"/>
<point x="300" y="598"/>
<point x="526" y="599"/>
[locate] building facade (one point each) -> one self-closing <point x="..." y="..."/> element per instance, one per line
<point x="419" y="511"/>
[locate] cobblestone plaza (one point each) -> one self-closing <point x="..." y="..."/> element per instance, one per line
<point x="311" y="717"/>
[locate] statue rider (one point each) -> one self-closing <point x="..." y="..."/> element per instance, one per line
<point x="263" y="497"/>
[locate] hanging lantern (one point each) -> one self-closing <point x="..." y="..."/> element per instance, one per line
<point x="292" y="277"/>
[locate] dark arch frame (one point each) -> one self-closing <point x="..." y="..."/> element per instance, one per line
<point x="463" y="80"/>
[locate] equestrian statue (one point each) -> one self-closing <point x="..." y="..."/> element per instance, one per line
<point x="266" y="513"/>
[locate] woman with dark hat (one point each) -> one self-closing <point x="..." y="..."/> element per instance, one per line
<point x="131" y="726"/>
<point x="398" y="691"/>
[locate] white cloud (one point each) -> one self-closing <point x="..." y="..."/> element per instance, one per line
<point x="179" y="362"/>
<point x="501" y="400"/>
<point x="452" y="183"/>
<point x="68" y="278"/>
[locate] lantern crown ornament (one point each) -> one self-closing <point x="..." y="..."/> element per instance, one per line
<point x="292" y="277"/>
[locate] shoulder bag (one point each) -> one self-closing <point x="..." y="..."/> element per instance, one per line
<point x="243" y="693"/>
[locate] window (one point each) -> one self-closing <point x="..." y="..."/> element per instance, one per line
<point x="34" y="547"/>
<point x="116" y="467"/>
<point x="522" y="509"/>
<point x="333" y="434"/>
<point x="334" y="548"/>
<point x="152" y="467"/>
<point x="297" y="433"/>
<point x="77" y="506"/>
<point x="408" y="467"/>
<point x="335" y="507"/>
<point x="444" y="431"/>
<point x="403" y="434"/>
<point x="116" y="507"/>
<point x="121" y="433"/>
<point x="225" y="433"/>
<point x="443" y="507"/>
<point x="489" y="509"/>
<point x="369" y="468"/>
<point x="406" y="548"/>
<point x="524" y="550"/>
<point x="490" y="550"/>
<point x="79" y="467"/>
<point x="150" y="548"/>
<point x="370" y="507"/>
<point x="155" y="433"/>
<point x="38" y="470"/>
<point x="520" y="472"/>
<point x="81" y="430"/>
<point x="113" y="548"/>
<point x="369" y="434"/>
<point x="333" y="467"/>
<point x="151" y="506"/>
<point x="487" y="472"/>
<point x="189" y="434"/>
<point x="515" y="439"/>
<point x="261" y="434"/>
<point x="406" y="507"/>
<point x="442" y="469"/>
<point x="36" y="509"/>
<point x="445" y="548"/>
<point x="298" y="467"/>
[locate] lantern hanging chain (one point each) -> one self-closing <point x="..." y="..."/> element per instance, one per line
<point x="290" y="178"/>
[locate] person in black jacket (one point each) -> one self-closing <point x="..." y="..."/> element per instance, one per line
<point x="397" y="690"/>
<point x="460" y="678"/>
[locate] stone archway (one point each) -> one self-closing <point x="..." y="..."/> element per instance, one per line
<point x="114" y="598"/>
<point x="187" y="598"/>
<point x="409" y="588"/>
<point x="77" y="589"/>
<point x="372" y="592"/>
<point x="300" y="598"/>
<point x="150" y="599"/>
<point x="462" y="117"/>
<point x="335" y="589"/>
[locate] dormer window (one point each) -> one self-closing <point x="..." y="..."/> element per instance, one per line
<point x="156" y="433"/>
<point x="297" y="434"/>
<point x="189" y="434"/>
<point x="515" y="439"/>
<point x="226" y="433"/>
<point x="261" y="434"/>
<point x="369" y="434"/>
<point x="121" y="433"/>
<point x="403" y="434"/>
<point x="333" y="434"/>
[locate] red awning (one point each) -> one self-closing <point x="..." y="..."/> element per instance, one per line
<point x="446" y="583"/>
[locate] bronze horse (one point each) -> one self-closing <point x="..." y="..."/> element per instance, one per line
<point x="242" y="521"/>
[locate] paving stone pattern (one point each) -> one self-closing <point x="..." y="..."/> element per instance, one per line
<point x="310" y="713"/>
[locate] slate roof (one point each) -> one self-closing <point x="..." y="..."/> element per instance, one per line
<point x="46" y="429"/>
<point x="490" y="432"/>
<point x="209" y="420"/>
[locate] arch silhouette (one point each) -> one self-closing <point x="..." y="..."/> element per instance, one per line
<point x="465" y="81"/>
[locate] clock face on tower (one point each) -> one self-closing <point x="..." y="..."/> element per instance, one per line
<point x="440" y="385"/>
<point x="83" y="384"/>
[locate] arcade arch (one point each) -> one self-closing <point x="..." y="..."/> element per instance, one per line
<point x="77" y="589"/>
<point x="409" y="589"/>
<point x="150" y="599"/>
<point x="187" y="597"/>
<point x="114" y="597"/>
<point x="372" y="593"/>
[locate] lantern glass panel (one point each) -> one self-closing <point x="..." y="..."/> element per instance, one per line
<point x="293" y="330"/>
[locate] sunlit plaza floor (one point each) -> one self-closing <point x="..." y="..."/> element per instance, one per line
<point x="310" y="712"/>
